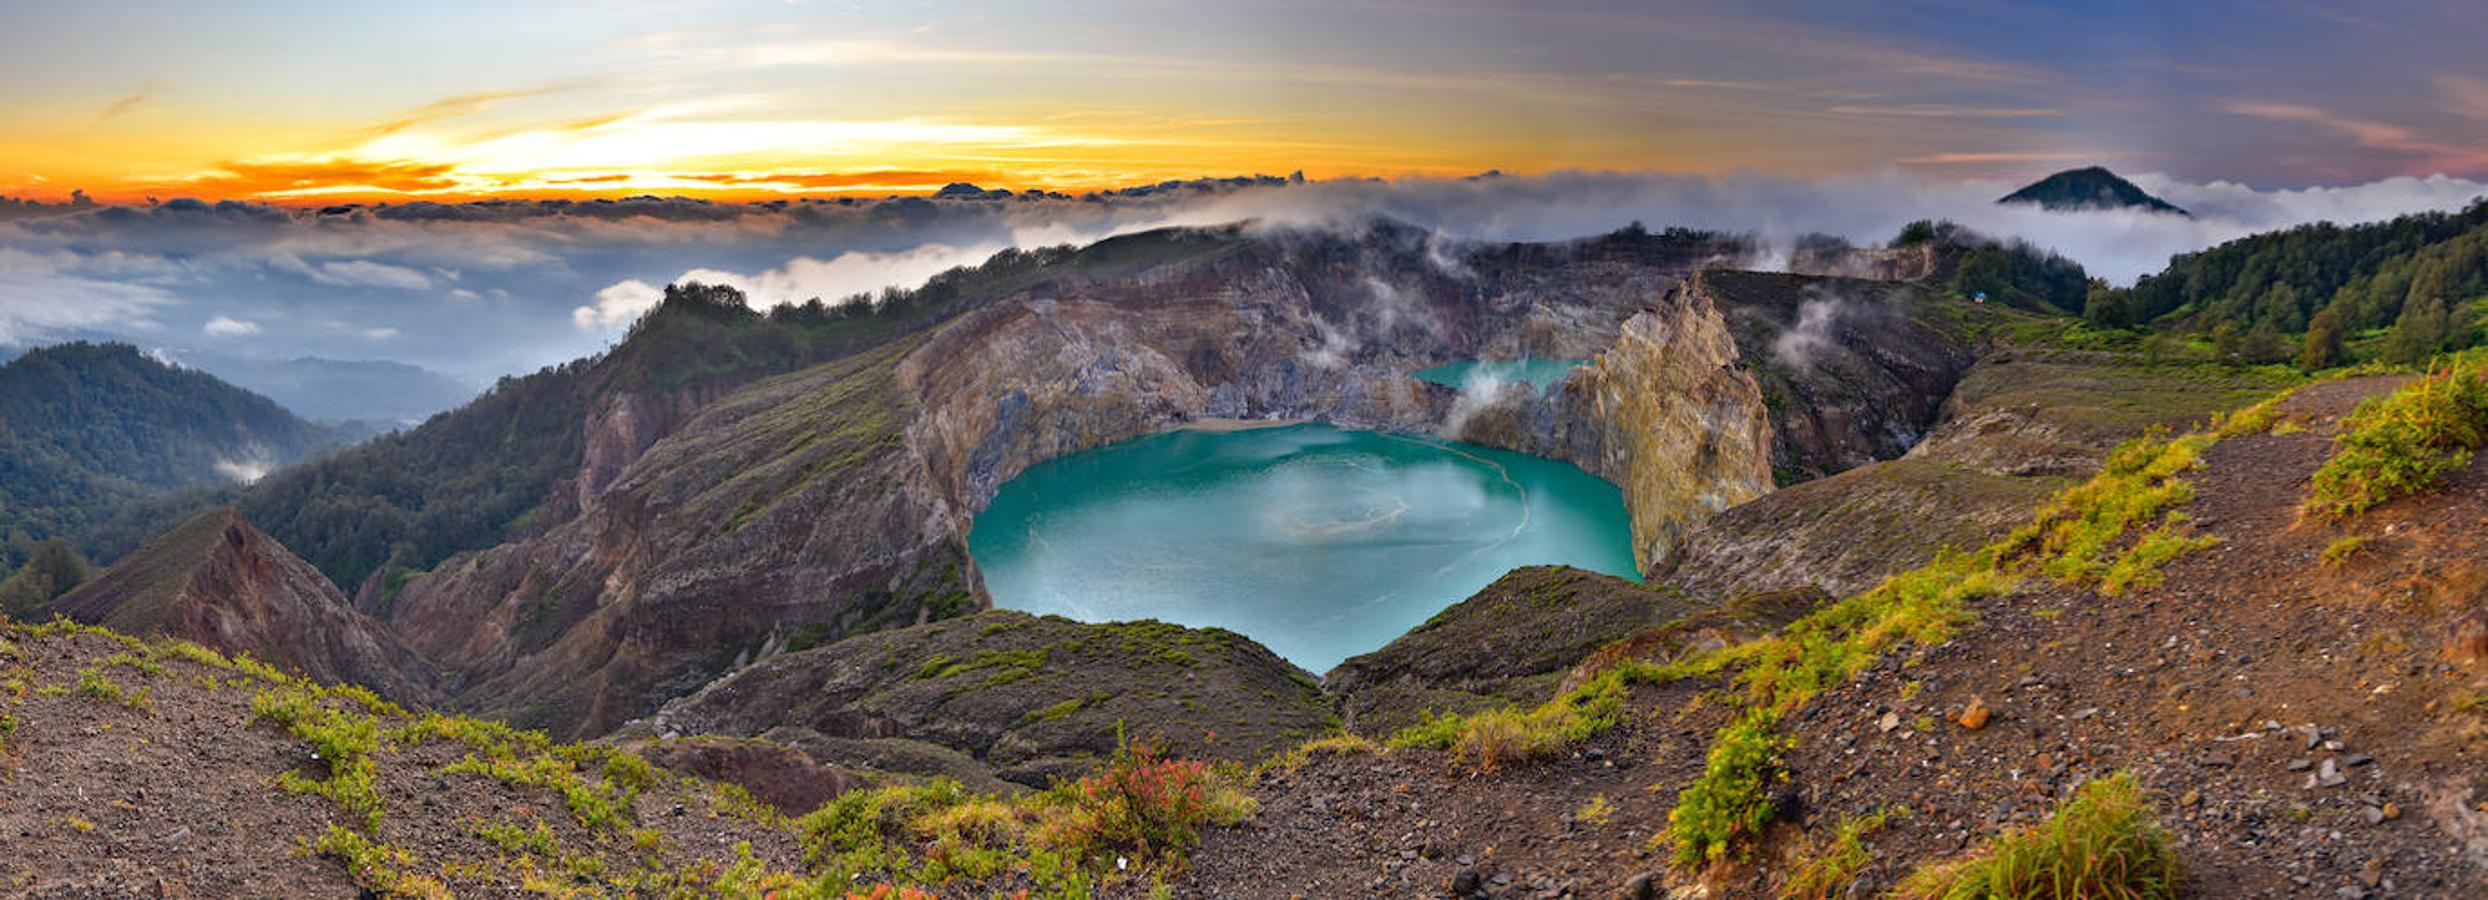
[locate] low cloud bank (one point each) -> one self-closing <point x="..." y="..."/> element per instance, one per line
<point x="484" y="289"/>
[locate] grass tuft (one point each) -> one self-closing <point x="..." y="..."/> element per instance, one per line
<point x="2103" y="842"/>
<point x="2406" y="442"/>
<point x="1824" y="872"/>
<point x="2348" y="547"/>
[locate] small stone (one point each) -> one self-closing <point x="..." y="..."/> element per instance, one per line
<point x="2314" y="737"/>
<point x="2191" y="798"/>
<point x="2355" y="760"/>
<point x="2301" y="765"/>
<point x="2085" y="713"/>
<point x="1890" y="721"/>
<point x="2392" y="812"/>
<point x="2219" y="760"/>
<point x="1643" y="887"/>
<point x="1975" y="717"/>
<point x="2371" y="815"/>
<point x="2371" y="874"/>
<point x="2335" y="746"/>
<point x="2352" y="892"/>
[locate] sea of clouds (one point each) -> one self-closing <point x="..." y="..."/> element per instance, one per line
<point x="488" y="289"/>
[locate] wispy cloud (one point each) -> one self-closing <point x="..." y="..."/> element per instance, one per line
<point x="2006" y="156"/>
<point x="1937" y="111"/>
<point x="131" y="103"/>
<point x="2426" y="153"/>
<point x="2465" y="95"/>
<point x="455" y="107"/>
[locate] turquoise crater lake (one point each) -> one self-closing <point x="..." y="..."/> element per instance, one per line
<point x="1538" y="373"/>
<point x="1319" y="543"/>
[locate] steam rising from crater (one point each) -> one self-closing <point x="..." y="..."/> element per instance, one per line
<point x="247" y="469"/>
<point x="1816" y="319"/>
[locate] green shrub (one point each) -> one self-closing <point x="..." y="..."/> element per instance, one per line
<point x="2103" y="842"/>
<point x="2342" y="550"/>
<point x="1732" y="799"/>
<point x="344" y="741"/>
<point x="2405" y="442"/>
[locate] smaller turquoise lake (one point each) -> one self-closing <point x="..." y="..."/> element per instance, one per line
<point x="1539" y="373"/>
<point x="1319" y="543"/>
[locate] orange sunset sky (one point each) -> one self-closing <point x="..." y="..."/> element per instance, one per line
<point x="317" y="103"/>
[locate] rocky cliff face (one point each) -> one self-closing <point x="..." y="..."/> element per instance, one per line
<point x="1510" y="644"/>
<point x="787" y="514"/>
<point x="1737" y="380"/>
<point x="219" y="582"/>
<point x="1283" y="327"/>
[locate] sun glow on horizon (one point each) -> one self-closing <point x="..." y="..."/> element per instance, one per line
<point x="750" y="99"/>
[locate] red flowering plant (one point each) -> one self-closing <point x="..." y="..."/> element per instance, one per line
<point x="1144" y="804"/>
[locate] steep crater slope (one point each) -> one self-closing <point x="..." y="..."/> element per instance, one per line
<point x="835" y="501"/>
<point x="2024" y="422"/>
<point x="1003" y="696"/>
<point x="1056" y="374"/>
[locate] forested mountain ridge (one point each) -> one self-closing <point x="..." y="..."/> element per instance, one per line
<point x="86" y="427"/>
<point x="2308" y="290"/>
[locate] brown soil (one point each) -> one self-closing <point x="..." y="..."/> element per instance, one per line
<point x="2201" y="688"/>
<point x="178" y="799"/>
<point x="1413" y="823"/>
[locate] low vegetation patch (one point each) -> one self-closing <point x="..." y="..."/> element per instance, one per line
<point x="2406" y="442"/>
<point x="1826" y="871"/>
<point x="2343" y="549"/>
<point x="1137" y="817"/>
<point x="1342" y="744"/>
<point x="2103" y="842"/>
<point x="341" y="740"/>
<point x="1139" y="810"/>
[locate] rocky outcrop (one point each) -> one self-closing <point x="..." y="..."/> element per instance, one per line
<point x="1678" y="425"/>
<point x="1508" y="644"/>
<point x="1853" y="371"/>
<point x="625" y="425"/>
<point x="775" y="774"/>
<point x="1027" y="698"/>
<point x="221" y="583"/>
